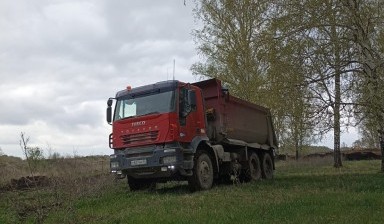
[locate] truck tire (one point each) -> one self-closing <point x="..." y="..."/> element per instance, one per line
<point x="267" y="166"/>
<point x="202" y="177"/>
<point x="139" y="184"/>
<point x="252" y="171"/>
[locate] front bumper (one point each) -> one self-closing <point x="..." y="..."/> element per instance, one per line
<point x="151" y="162"/>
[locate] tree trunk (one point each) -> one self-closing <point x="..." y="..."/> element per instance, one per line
<point x="336" y="107"/>
<point x="336" y="129"/>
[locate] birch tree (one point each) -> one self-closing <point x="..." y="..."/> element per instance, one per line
<point x="229" y="43"/>
<point x="292" y="101"/>
<point x="366" y="22"/>
<point x="328" y="63"/>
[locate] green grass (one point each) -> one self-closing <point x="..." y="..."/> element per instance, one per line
<point x="304" y="192"/>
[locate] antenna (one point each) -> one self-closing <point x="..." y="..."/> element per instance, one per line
<point x="174" y="62"/>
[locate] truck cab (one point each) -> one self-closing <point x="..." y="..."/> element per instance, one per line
<point x="152" y="127"/>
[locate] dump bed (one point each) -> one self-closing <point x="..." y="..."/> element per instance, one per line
<point x="230" y="118"/>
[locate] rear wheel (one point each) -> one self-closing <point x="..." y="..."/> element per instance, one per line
<point x="202" y="178"/>
<point x="267" y="166"/>
<point x="252" y="171"/>
<point x="140" y="184"/>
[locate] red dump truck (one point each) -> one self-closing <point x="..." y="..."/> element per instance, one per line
<point x="197" y="132"/>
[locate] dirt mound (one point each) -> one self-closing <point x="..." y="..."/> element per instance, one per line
<point x="362" y="155"/>
<point x="318" y="155"/>
<point x="26" y="183"/>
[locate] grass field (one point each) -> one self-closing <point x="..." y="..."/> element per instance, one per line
<point x="302" y="192"/>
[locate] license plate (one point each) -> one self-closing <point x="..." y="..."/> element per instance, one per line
<point x="138" y="162"/>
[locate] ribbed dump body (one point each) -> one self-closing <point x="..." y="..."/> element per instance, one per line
<point x="229" y="117"/>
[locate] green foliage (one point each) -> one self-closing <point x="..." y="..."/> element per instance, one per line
<point x="320" y="42"/>
<point x="366" y="21"/>
<point x="230" y="43"/>
<point x="369" y="136"/>
<point x="290" y="101"/>
<point x="35" y="157"/>
<point x="368" y="31"/>
<point x="238" y="43"/>
<point x="35" y="153"/>
<point x="312" y="62"/>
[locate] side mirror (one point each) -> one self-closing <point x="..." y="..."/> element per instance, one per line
<point x="109" y="115"/>
<point x="109" y="111"/>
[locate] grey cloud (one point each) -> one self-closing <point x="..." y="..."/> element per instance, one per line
<point x="151" y="20"/>
<point x="61" y="60"/>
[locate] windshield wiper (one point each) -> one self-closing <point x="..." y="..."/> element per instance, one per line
<point x="154" y="112"/>
<point x="139" y="115"/>
<point x="128" y="117"/>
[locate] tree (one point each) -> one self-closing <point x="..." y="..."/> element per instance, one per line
<point x="33" y="155"/>
<point x="369" y="135"/>
<point x="317" y="27"/>
<point x="366" y="23"/>
<point x="230" y="43"/>
<point x="344" y="60"/>
<point x="236" y="44"/>
<point x="310" y="61"/>
<point x="291" y="104"/>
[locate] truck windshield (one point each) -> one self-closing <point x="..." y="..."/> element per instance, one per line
<point x="143" y="105"/>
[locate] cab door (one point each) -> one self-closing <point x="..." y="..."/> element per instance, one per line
<point x="191" y="116"/>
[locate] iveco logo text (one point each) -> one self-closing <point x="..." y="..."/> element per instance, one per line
<point x="139" y="123"/>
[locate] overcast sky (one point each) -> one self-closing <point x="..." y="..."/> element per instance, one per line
<point x="60" y="60"/>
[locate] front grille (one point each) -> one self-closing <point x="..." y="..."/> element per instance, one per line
<point x="146" y="137"/>
<point x="142" y="154"/>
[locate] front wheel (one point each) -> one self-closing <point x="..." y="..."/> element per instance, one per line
<point x="202" y="178"/>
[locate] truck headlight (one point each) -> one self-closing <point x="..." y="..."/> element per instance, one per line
<point x="114" y="165"/>
<point x="113" y="156"/>
<point x="169" y="159"/>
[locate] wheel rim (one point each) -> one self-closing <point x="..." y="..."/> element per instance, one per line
<point x="254" y="168"/>
<point x="268" y="167"/>
<point x="205" y="172"/>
